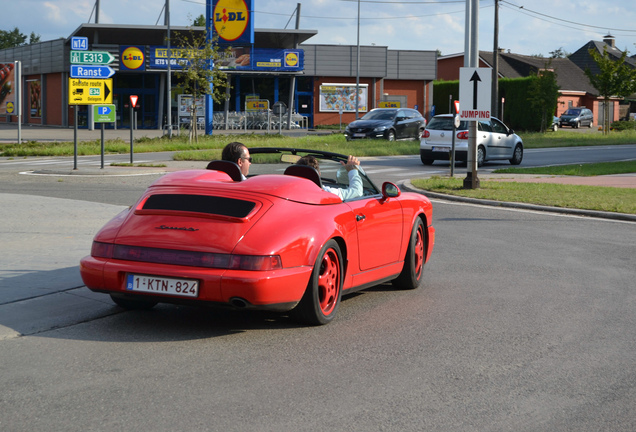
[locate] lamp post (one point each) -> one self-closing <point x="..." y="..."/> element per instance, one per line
<point x="358" y="67"/>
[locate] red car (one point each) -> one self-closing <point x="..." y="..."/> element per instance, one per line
<point x="275" y="241"/>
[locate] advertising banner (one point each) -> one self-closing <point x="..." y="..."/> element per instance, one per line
<point x="184" y="102"/>
<point x="342" y="97"/>
<point x="264" y="60"/>
<point x="158" y="58"/>
<point x="7" y="89"/>
<point x="35" y="97"/>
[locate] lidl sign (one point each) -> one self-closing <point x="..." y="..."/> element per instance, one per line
<point x="232" y="21"/>
<point x="132" y="58"/>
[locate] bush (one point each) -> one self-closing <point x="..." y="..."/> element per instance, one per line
<point x="623" y="125"/>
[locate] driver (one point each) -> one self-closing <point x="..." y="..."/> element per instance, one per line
<point x="355" y="182"/>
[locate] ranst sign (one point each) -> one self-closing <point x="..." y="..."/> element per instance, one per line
<point x="84" y="71"/>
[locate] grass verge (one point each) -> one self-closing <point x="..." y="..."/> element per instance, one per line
<point x="209" y="147"/>
<point x="582" y="170"/>
<point x="619" y="200"/>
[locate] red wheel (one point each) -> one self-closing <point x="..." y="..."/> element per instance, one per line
<point x="329" y="281"/>
<point x="324" y="291"/>
<point x="411" y="276"/>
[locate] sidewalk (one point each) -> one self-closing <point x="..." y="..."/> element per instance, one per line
<point x="9" y="133"/>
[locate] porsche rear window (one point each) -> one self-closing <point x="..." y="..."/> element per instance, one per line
<point x="213" y="205"/>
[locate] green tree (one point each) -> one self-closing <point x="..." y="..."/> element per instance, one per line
<point x="544" y="94"/>
<point x="201" y="74"/>
<point x="14" y="38"/>
<point x="616" y="78"/>
<point x="199" y="21"/>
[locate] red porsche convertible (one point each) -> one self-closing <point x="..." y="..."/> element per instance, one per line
<point x="276" y="240"/>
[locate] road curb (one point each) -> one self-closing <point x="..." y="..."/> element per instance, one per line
<point x="407" y="185"/>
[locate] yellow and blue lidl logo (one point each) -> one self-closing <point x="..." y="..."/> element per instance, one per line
<point x="132" y="58"/>
<point x="231" y="19"/>
<point x="291" y="59"/>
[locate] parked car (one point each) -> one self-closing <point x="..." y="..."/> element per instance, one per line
<point x="555" y="123"/>
<point x="577" y="117"/>
<point x="276" y="241"/>
<point x="494" y="141"/>
<point x="387" y="123"/>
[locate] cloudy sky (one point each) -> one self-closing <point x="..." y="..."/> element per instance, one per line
<point x="527" y="27"/>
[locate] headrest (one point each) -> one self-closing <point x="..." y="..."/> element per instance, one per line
<point x="304" y="171"/>
<point x="230" y="168"/>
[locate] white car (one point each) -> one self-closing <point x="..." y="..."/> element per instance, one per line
<point x="494" y="141"/>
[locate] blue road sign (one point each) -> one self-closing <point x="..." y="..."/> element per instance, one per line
<point x="104" y="109"/>
<point x="79" y="43"/>
<point x="85" y="71"/>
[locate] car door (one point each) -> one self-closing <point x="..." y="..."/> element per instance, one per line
<point x="485" y="138"/>
<point x="402" y="124"/>
<point x="503" y="142"/>
<point x="379" y="228"/>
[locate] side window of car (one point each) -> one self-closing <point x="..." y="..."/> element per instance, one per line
<point x="484" y="126"/>
<point x="498" y="127"/>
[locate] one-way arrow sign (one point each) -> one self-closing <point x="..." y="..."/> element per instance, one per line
<point x="475" y="93"/>
<point x="83" y="71"/>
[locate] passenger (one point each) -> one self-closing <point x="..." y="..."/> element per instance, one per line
<point x="355" y="181"/>
<point x="237" y="152"/>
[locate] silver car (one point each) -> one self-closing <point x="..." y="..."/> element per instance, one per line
<point x="494" y="141"/>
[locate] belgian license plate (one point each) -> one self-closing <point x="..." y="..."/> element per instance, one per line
<point x="441" y="149"/>
<point x="359" y="135"/>
<point x="162" y="285"/>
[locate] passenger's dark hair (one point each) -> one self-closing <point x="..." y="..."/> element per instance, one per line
<point x="309" y="161"/>
<point x="233" y="151"/>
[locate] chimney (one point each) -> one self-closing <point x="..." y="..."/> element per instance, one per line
<point x="609" y="39"/>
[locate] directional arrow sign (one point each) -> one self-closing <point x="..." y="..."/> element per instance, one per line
<point x="475" y="93"/>
<point x="90" y="91"/>
<point x="82" y="71"/>
<point x="91" y="57"/>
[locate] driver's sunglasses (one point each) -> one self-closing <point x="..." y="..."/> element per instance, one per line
<point x="249" y="159"/>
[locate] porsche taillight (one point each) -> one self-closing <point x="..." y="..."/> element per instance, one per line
<point x="462" y="135"/>
<point x="102" y="250"/>
<point x="186" y="258"/>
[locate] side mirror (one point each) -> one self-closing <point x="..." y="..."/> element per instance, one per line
<point x="390" y="190"/>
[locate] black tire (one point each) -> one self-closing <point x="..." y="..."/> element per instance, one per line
<point x="577" y="125"/>
<point x="324" y="291"/>
<point x="426" y="161"/>
<point x="411" y="276"/>
<point x="517" y="156"/>
<point x="591" y="124"/>
<point x="555" y="127"/>
<point x="420" y="132"/>
<point x="481" y="156"/>
<point x="390" y="135"/>
<point x="133" y="304"/>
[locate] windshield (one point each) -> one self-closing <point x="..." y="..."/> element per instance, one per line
<point x="573" y="112"/>
<point x="445" y="123"/>
<point x="380" y="115"/>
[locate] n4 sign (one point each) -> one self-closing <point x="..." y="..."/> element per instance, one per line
<point x="133" y="100"/>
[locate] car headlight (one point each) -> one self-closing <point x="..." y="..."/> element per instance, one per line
<point x="379" y="129"/>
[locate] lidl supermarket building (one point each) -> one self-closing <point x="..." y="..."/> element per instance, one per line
<point x="319" y="81"/>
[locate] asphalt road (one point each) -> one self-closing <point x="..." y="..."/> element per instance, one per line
<point x="525" y="322"/>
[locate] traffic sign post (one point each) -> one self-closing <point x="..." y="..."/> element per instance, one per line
<point x="133" y="105"/>
<point x="474" y="99"/>
<point x="103" y="114"/>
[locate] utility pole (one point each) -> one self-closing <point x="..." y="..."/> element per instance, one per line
<point x="169" y="83"/>
<point x="495" y="66"/>
<point x="471" y="60"/>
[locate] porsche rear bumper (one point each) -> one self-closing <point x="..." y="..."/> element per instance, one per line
<point x="272" y="290"/>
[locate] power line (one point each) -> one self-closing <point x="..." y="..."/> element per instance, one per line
<point x="527" y="11"/>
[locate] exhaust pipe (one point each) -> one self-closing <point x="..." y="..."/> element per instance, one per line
<point x="239" y="303"/>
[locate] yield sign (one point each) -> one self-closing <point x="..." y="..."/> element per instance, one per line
<point x="475" y="93"/>
<point x="133" y="100"/>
